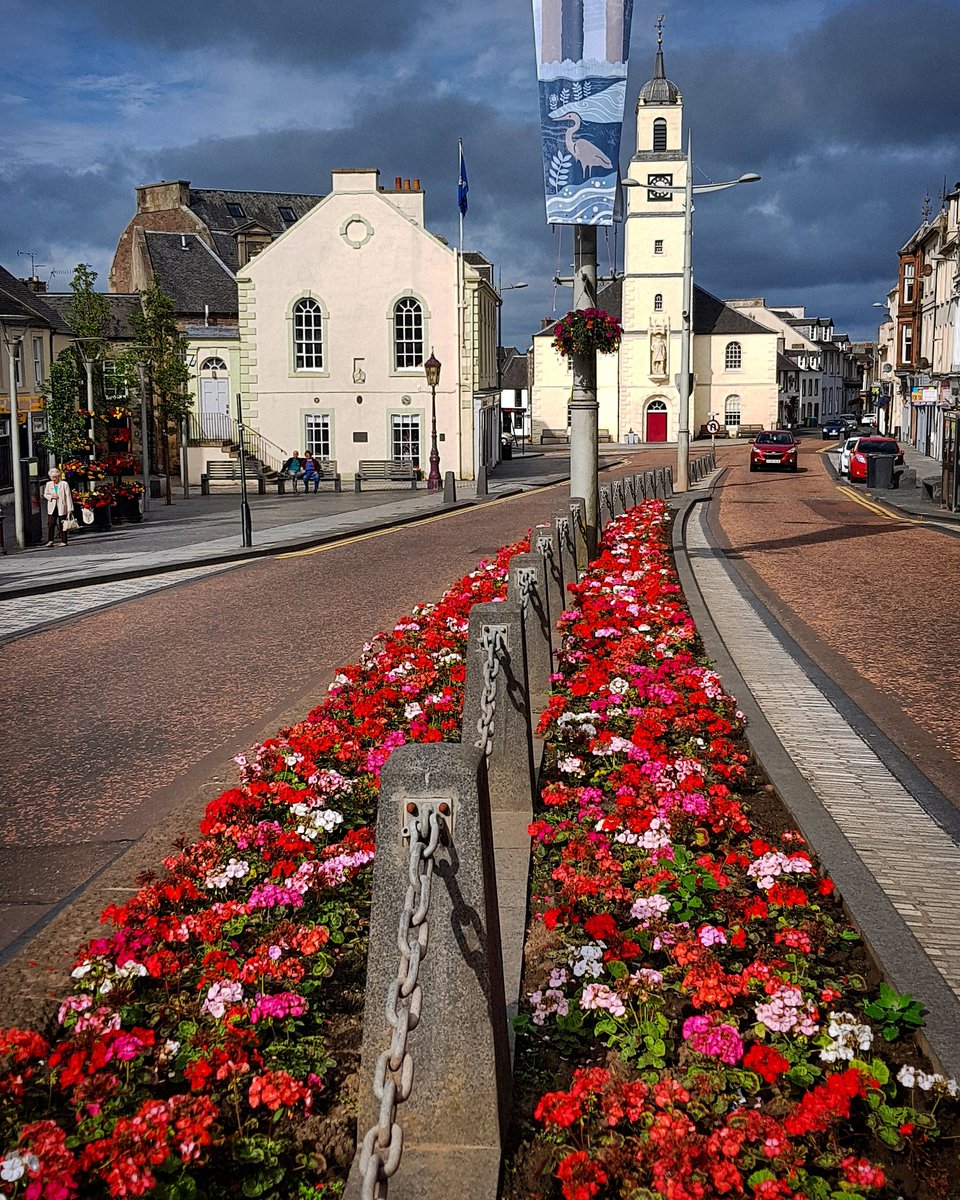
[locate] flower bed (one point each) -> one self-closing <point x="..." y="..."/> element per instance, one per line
<point x="206" y="1047"/>
<point x="701" y="1021"/>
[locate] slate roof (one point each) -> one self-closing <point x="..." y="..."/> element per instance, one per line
<point x="711" y="315"/>
<point x="16" y="300"/>
<point x="786" y="364"/>
<point x="258" y="208"/>
<point x="188" y="271"/>
<point x="515" y="376"/>
<point x="121" y="305"/>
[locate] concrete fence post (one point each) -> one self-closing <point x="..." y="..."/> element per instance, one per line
<point x="578" y="529"/>
<point x="547" y="543"/>
<point x="568" y="553"/>
<point x="606" y="502"/>
<point x="510" y="761"/>
<point x="620" y="502"/>
<point x="528" y="588"/>
<point x="650" y="485"/>
<point x="630" y="484"/>
<point x="454" y="1115"/>
<point x="667" y="483"/>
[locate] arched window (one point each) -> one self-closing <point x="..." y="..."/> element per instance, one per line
<point x="407" y="333"/>
<point x="659" y="134"/>
<point x="658" y="302"/>
<point x="733" y="359"/>
<point x="307" y="335"/>
<point x="731" y="410"/>
<point x="213" y="364"/>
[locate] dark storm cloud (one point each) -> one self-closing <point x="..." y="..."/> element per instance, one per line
<point x="293" y="31"/>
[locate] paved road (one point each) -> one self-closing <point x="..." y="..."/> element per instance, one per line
<point x="870" y="598"/>
<point x="163" y="688"/>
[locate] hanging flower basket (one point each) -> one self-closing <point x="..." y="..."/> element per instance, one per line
<point x="587" y="331"/>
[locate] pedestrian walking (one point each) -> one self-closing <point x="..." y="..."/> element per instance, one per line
<point x="59" y="506"/>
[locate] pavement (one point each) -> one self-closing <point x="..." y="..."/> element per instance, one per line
<point x="206" y="530"/>
<point x="888" y="836"/>
<point x="913" y="501"/>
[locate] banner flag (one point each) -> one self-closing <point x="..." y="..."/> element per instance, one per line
<point x="463" y="186"/>
<point x="582" y="56"/>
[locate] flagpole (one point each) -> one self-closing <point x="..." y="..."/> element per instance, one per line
<point x="460" y="325"/>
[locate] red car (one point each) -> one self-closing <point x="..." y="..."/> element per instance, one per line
<point x="774" y="448"/>
<point x="875" y="445"/>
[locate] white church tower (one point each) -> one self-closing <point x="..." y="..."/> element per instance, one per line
<point x="653" y="263"/>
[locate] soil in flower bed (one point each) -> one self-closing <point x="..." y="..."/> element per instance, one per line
<point x="701" y="1020"/>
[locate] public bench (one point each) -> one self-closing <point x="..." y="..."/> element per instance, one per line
<point x="326" y="469"/>
<point x="749" y="431"/>
<point x="722" y="432"/>
<point x="393" y="470"/>
<point x="228" y="471"/>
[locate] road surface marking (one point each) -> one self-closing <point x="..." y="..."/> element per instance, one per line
<point x="878" y="509"/>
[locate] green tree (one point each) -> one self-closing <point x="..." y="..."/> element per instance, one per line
<point x="89" y="318"/>
<point x="66" y="426"/>
<point x="162" y="349"/>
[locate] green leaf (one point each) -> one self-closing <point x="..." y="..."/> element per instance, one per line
<point x="617" y="968"/>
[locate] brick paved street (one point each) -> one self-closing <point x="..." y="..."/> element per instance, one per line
<point x="167" y="686"/>
<point x="871" y="600"/>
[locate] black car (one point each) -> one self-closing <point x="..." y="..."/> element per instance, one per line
<point x="833" y="427"/>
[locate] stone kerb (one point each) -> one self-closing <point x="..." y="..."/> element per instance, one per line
<point x="454" y="1117"/>
<point x="510" y="770"/>
<point x="547" y="544"/>
<point x="530" y="570"/>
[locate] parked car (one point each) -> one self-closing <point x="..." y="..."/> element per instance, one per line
<point x="875" y="445"/>
<point x="851" y="420"/>
<point x="869" y="418"/>
<point x="845" y="451"/>
<point x="833" y="427"/>
<point x="774" y="448"/>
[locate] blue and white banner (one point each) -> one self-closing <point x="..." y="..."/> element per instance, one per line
<point x="582" y="52"/>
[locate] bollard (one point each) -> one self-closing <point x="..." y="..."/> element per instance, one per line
<point x="449" y="488"/>
<point x="451" y="1133"/>
<point x="578" y="531"/>
<point x="546" y="542"/>
<point x="510" y="771"/>
<point x="528" y="587"/>
<point x="481" y="480"/>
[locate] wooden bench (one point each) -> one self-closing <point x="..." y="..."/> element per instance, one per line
<point x="395" y="470"/>
<point x="749" y="430"/>
<point x="326" y="469"/>
<point x="228" y="471"/>
<point x="549" y="438"/>
<point x="722" y="432"/>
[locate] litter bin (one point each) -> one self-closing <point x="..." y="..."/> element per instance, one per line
<point x="34" y="511"/>
<point x="506" y="449"/>
<point x="880" y="470"/>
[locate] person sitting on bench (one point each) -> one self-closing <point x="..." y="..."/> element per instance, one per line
<point x="310" y="474"/>
<point x="293" y="468"/>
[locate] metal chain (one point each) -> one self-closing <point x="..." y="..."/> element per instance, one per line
<point x="382" y="1146"/>
<point x="545" y="546"/>
<point x="526" y="577"/>
<point x="563" y="532"/>
<point x="492" y="646"/>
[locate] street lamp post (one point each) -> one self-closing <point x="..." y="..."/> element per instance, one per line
<point x="12" y="342"/>
<point x="431" y="369"/>
<point x="682" y="481"/>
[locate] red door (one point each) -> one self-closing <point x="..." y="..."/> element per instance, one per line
<point x="656" y="426"/>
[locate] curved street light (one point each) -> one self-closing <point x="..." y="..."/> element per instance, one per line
<point x="682" y="482"/>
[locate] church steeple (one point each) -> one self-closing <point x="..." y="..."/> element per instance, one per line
<point x="659" y="89"/>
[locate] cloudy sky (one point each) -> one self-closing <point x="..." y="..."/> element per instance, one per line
<point x="847" y="108"/>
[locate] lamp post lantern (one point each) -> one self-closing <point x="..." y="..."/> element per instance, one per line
<point x="684" y="388"/>
<point x="431" y="369"/>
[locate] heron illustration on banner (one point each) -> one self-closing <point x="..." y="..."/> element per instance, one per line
<point x="582" y="57"/>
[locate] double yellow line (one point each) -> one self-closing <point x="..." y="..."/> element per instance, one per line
<point x="365" y="537"/>
<point x="878" y="509"/>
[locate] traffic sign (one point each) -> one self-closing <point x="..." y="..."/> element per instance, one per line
<point x="713" y="427"/>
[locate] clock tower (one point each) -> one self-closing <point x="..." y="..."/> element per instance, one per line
<point x="653" y="262"/>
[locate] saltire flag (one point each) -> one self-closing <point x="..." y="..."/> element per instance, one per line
<point x="582" y="52"/>
<point x="463" y="186"/>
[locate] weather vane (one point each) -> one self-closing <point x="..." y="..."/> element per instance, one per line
<point x="660" y="20"/>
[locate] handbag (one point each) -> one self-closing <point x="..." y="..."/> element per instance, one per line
<point x="70" y="524"/>
<point x="87" y="514"/>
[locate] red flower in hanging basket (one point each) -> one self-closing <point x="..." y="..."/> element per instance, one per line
<point x="587" y="331"/>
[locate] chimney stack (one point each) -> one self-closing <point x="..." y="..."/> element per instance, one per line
<point x="397" y="183"/>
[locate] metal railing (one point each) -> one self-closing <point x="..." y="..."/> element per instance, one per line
<point x="221" y="427"/>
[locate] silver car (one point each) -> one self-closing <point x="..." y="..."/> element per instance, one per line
<point x="846" y="449"/>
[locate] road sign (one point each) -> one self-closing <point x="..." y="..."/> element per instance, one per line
<point x="713" y="427"/>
